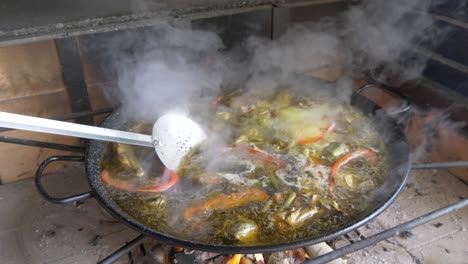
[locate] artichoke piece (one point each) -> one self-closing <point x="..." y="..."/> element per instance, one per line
<point x="158" y="202"/>
<point x="224" y="115"/>
<point x="226" y="99"/>
<point x="350" y="181"/>
<point x="340" y="150"/>
<point x="282" y="99"/>
<point x="128" y="159"/>
<point x="297" y="217"/>
<point x="263" y="104"/>
<point x="246" y="231"/>
<point x="254" y="134"/>
<point x="336" y="149"/>
<point x="264" y="119"/>
<point x="241" y="139"/>
<point x="279" y="142"/>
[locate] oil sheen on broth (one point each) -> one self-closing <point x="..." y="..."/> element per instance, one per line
<point x="278" y="168"/>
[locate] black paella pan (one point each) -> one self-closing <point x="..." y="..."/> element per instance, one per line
<point x="398" y="160"/>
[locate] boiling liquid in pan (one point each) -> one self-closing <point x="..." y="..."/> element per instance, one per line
<point x="267" y="181"/>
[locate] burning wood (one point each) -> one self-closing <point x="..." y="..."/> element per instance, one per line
<point x="259" y="258"/>
<point x="295" y="256"/>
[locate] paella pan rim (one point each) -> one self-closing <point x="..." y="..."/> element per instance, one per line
<point x="93" y="156"/>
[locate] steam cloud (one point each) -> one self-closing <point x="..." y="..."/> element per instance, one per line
<point x="170" y="67"/>
<point x="384" y="32"/>
<point x="166" y="68"/>
<point x="161" y="70"/>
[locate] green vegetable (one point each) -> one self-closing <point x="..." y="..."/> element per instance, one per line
<point x="274" y="179"/>
<point x="289" y="200"/>
<point x="261" y="186"/>
<point x="246" y="231"/>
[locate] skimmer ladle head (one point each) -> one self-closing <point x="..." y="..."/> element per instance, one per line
<point x="173" y="137"/>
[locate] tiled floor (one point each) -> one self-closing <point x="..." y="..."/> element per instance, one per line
<point x="444" y="240"/>
<point x="35" y="231"/>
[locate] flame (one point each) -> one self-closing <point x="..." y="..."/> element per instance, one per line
<point x="234" y="259"/>
<point x="178" y="249"/>
<point x="259" y="258"/>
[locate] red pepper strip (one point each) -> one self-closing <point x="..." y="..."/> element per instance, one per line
<point x="347" y="158"/>
<point x="310" y="140"/>
<point x="157" y="188"/>
<point x="227" y="201"/>
<point x="262" y="156"/>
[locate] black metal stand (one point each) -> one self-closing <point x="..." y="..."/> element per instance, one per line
<point x="353" y="247"/>
<point x="123" y="250"/>
<point x="46" y="195"/>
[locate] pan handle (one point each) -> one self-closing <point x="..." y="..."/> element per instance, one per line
<point x="47" y="196"/>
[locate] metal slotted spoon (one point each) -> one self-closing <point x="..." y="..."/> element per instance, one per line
<point x="173" y="134"/>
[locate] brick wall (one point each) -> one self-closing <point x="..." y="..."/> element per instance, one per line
<point x="31" y="83"/>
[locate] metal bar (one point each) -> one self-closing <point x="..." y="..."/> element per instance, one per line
<point x="114" y="16"/>
<point x="44" y="125"/>
<point x="293" y="4"/>
<point x="221" y="12"/>
<point x="279" y="21"/>
<point x="363" y="88"/>
<point x="123" y="250"/>
<point x="84" y="114"/>
<point x="73" y="77"/>
<point x="381" y="86"/>
<point x="78" y="28"/>
<point x="441" y="59"/>
<point x="440" y="165"/>
<point x="40" y="144"/>
<point x="450" y="20"/>
<point x="388" y="233"/>
<point x="73" y="116"/>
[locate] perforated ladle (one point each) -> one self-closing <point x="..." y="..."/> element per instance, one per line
<point x="173" y="134"/>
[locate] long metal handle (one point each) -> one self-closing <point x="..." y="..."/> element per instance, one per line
<point x="44" y="125"/>
<point x="441" y="165"/>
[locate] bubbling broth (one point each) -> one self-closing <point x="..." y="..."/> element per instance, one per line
<point x="274" y="169"/>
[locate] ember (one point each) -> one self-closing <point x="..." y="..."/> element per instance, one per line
<point x="295" y="256"/>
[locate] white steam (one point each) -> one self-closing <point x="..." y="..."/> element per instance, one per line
<point x="383" y="33"/>
<point x="165" y="70"/>
<point x="169" y="67"/>
<point x="300" y="50"/>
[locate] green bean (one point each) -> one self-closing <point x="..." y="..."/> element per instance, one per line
<point x="289" y="200"/>
<point x="274" y="179"/>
